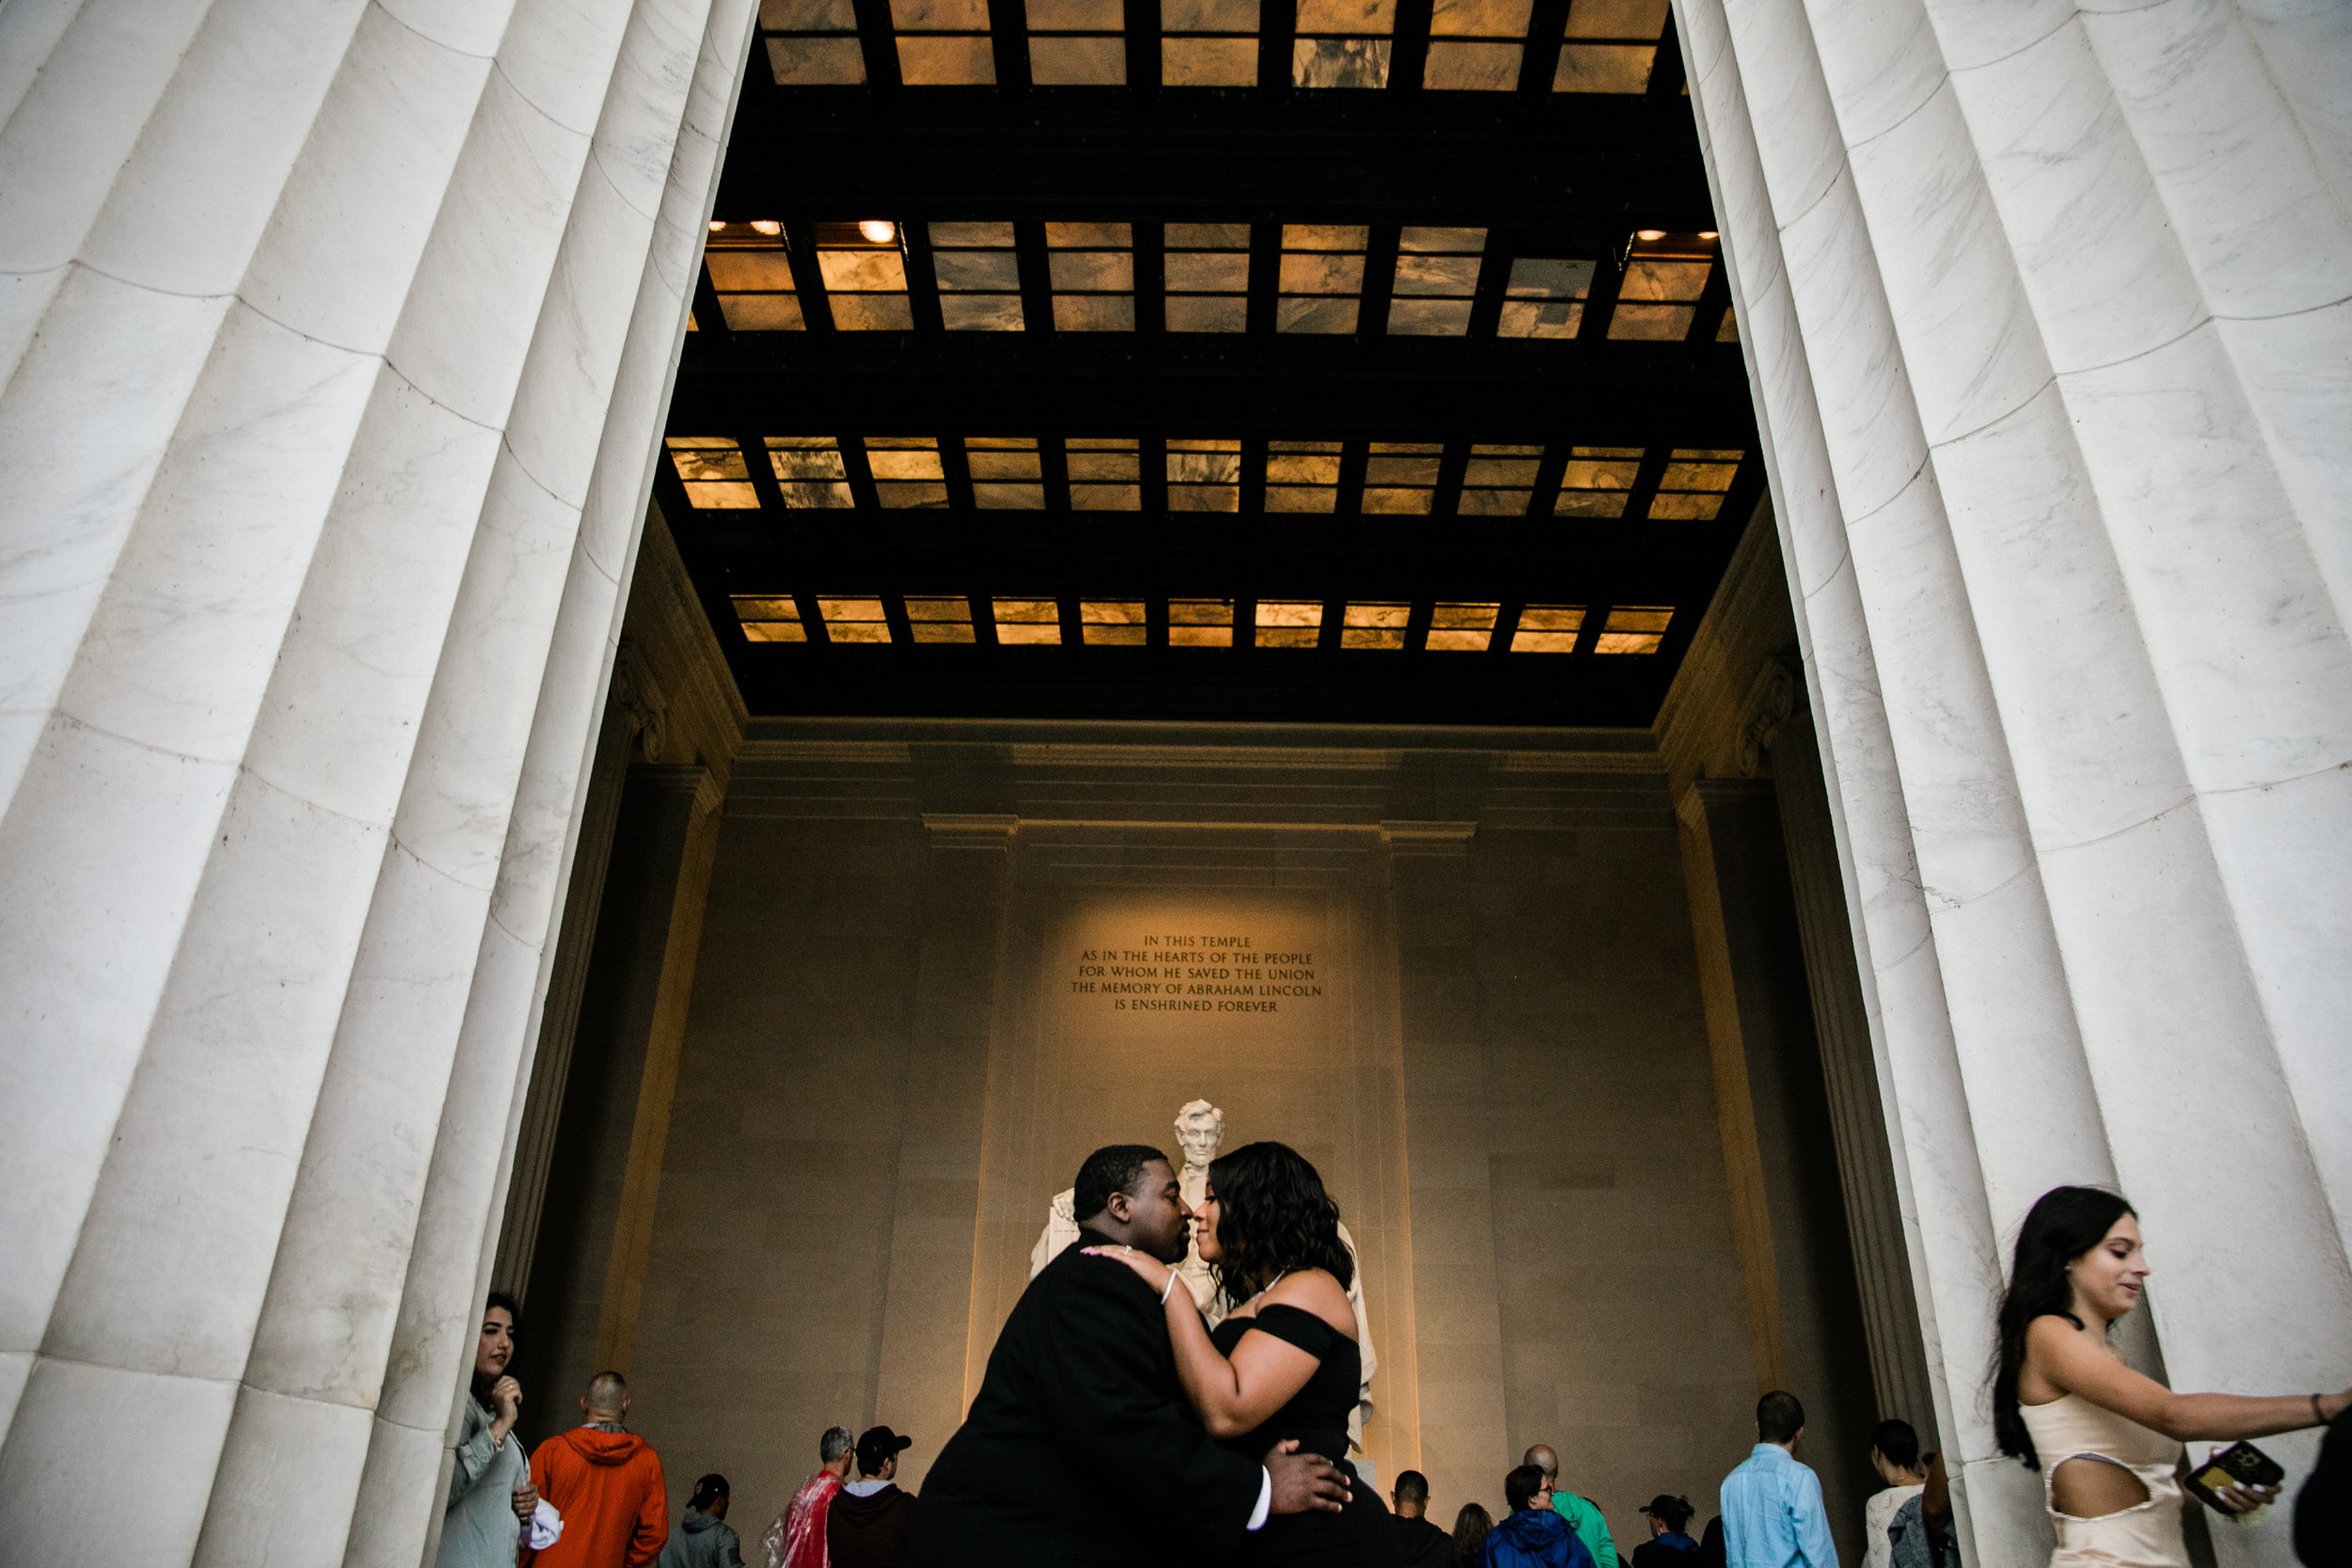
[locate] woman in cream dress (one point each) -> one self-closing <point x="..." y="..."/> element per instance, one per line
<point x="2107" y="1440"/>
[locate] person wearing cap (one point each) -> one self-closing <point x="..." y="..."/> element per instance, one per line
<point x="867" y="1527"/>
<point x="704" y="1538"/>
<point x="1668" y="1544"/>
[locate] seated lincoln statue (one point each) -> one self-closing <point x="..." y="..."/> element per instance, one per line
<point x="1200" y="1129"/>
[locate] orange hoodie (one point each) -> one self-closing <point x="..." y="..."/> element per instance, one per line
<point x="608" y="1487"/>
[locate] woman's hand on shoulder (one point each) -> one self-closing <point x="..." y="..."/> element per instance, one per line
<point x="1318" y="1291"/>
<point x="1148" y="1268"/>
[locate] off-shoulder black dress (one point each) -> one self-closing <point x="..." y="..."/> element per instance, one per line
<point x="1362" y="1536"/>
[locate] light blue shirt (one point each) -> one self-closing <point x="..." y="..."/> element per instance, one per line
<point x="1773" y="1514"/>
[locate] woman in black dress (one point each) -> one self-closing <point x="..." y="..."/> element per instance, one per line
<point x="1282" y="1366"/>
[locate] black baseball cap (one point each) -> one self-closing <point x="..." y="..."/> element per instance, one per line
<point x="878" y="1444"/>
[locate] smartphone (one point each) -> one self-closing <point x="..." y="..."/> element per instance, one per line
<point x="2239" y="1465"/>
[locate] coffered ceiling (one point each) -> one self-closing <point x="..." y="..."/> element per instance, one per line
<point x="1287" y="359"/>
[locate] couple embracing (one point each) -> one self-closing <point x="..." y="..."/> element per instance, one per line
<point x="1114" y="1427"/>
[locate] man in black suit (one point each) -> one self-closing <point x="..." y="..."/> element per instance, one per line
<point x="1080" y="1451"/>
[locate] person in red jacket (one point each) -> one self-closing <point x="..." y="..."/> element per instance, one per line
<point x="606" y="1482"/>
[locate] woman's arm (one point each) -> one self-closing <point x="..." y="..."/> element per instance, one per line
<point x="2075" y="1363"/>
<point x="1232" y="1398"/>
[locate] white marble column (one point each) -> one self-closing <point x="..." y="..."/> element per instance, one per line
<point x="335" y="339"/>
<point x="2049" y="311"/>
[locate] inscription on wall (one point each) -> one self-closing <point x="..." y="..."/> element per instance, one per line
<point x="1194" y="971"/>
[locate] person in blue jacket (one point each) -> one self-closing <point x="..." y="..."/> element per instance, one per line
<point x="1533" y="1536"/>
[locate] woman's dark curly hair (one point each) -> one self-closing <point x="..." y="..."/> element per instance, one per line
<point x="1272" y="1218"/>
<point x="2063" y="1224"/>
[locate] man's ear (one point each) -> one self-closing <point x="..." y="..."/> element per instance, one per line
<point x="1119" y="1206"/>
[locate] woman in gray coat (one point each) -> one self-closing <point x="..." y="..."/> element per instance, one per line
<point x="702" y="1538"/>
<point x="490" y="1493"/>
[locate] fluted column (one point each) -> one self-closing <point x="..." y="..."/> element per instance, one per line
<point x="1849" y="1078"/>
<point x="2048" y="313"/>
<point x="335" y="339"/>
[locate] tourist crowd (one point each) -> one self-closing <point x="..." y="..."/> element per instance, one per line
<point x="593" y="1495"/>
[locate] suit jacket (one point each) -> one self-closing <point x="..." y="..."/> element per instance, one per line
<point x="1080" y="1451"/>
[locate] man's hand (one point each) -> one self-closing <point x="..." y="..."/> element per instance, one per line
<point x="507" y="1395"/>
<point x="1305" y="1483"/>
<point x="526" y="1501"/>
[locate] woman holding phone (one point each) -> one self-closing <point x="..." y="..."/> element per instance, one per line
<point x="2108" y="1439"/>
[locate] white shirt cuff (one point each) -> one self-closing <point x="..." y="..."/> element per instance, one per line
<point x="1265" y="1498"/>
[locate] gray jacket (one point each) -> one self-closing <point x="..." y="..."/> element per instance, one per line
<point x="479" y="1530"/>
<point x="701" y="1542"/>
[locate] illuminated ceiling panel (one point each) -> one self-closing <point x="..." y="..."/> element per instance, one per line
<point x="1077" y="43"/>
<point x="1208" y="43"/>
<point x="1342" y="43"/>
<point x="1476" y="45"/>
<point x="1206" y="275"/>
<point x="1612" y="46"/>
<point x="1436" y="277"/>
<point x="943" y="42"/>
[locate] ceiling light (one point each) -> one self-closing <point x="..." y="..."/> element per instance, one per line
<point x="1649" y="235"/>
<point x="766" y="225"/>
<point x="879" y="230"/>
<point x="1707" y="234"/>
<point x="718" y="225"/>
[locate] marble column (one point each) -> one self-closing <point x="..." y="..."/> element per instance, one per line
<point x="333" y="346"/>
<point x="2048" y="310"/>
<point x="1874" y="1221"/>
<point x="1780" y="1153"/>
<point x="559" y="1011"/>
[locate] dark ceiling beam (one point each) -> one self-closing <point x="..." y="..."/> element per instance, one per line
<point x="1242" y="682"/>
<point x="1290" y="386"/>
<point x="1301" y="157"/>
<point x="1210" y="555"/>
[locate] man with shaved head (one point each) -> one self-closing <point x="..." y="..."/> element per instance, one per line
<point x="1583" y="1513"/>
<point x="605" y="1481"/>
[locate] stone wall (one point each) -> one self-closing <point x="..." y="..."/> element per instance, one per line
<point x="1514" y="1106"/>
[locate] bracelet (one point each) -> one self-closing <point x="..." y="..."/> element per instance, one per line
<point x="2319" y="1417"/>
<point x="1170" y="1289"/>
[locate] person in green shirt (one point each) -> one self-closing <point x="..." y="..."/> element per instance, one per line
<point x="1583" y="1513"/>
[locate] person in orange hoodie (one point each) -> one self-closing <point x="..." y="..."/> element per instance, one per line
<point x="606" y="1482"/>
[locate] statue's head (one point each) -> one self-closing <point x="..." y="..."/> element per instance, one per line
<point x="1200" y="1128"/>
